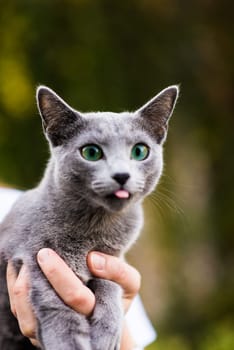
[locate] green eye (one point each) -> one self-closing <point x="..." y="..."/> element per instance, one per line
<point x="140" y="151"/>
<point x="91" y="153"/>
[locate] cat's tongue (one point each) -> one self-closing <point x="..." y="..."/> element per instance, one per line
<point x="122" y="194"/>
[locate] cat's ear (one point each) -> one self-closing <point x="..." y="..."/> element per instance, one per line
<point x="156" y="113"/>
<point x="59" y="120"/>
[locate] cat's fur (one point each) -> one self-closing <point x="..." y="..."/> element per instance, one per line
<point x="74" y="210"/>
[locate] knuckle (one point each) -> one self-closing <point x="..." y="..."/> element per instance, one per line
<point x="73" y="298"/>
<point x="81" y="301"/>
<point x="116" y="269"/>
<point x="131" y="279"/>
<point x="122" y="273"/>
<point x="19" y="289"/>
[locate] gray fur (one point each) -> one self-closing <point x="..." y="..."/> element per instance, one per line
<point x="73" y="211"/>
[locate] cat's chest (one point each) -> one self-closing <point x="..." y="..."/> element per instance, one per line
<point x="75" y="248"/>
<point x="75" y="251"/>
<point x="108" y="235"/>
<point x="110" y="239"/>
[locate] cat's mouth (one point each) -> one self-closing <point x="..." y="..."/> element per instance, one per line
<point x="119" y="194"/>
<point x="122" y="194"/>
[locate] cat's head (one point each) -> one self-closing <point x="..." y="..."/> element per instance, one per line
<point x="111" y="159"/>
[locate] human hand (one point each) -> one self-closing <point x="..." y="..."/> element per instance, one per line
<point x="73" y="292"/>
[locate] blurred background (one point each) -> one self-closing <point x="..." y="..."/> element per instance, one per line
<point x="115" y="55"/>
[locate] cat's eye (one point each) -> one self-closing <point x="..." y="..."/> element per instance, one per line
<point x="140" y="151"/>
<point x="91" y="152"/>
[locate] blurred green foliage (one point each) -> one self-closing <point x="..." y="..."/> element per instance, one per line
<point x="115" y="55"/>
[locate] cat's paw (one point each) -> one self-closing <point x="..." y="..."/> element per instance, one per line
<point x="106" y="345"/>
<point x="108" y="340"/>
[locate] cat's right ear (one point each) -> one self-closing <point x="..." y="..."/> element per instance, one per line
<point x="59" y="120"/>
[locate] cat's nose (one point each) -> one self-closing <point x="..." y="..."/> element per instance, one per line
<point x="121" y="178"/>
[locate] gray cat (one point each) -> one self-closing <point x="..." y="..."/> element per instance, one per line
<point x="101" y="168"/>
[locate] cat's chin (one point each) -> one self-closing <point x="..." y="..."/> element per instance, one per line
<point x="112" y="203"/>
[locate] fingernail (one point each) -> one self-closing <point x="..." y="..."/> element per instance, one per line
<point x="98" y="261"/>
<point x="43" y="255"/>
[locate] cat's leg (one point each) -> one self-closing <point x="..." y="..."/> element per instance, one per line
<point x="60" y="330"/>
<point x="107" y="318"/>
<point x="59" y="327"/>
<point x="10" y="335"/>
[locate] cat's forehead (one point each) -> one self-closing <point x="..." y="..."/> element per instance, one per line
<point x="109" y="124"/>
<point x="110" y="129"/>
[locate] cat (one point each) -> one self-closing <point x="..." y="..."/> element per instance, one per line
<point x="102" y="166"/>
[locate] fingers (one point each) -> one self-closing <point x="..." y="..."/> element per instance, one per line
<point x="73" y="292"/>
<point x="68" y="286"/>
<point x="11" y="279"/>
<point x="18" y="289"/>
<point x="114" y="269"/>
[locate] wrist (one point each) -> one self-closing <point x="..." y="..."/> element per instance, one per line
<point x="127" y="342"/>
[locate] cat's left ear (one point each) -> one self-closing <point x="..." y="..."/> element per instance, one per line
<point x="156" y="113"/>
<point x="60" y="121"/>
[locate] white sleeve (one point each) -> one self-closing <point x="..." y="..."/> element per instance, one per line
<point x="139" y="324"/>
<point x="7" y="198"/>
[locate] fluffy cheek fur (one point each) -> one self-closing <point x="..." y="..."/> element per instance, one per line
<point x="69" y="174"/>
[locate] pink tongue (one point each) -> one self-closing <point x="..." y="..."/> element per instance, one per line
<point x="122" y="194"/>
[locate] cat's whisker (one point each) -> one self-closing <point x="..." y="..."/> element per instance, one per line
<point x="166" y="201"/>
<point x="140" y="185"/>
<point x="140" y="189"/>
<point x="97" y="182"/>
<point x="99" y="190"/>
<point x="158" y="206"/>
<point x="98" y="186"/>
